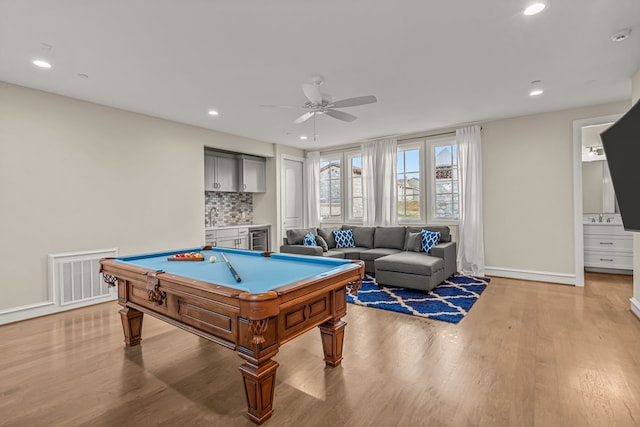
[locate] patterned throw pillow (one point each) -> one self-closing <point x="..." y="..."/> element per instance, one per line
<point x="309" y="239"/>
<point x="429" y="240"/>
<point x="344" y="238"/>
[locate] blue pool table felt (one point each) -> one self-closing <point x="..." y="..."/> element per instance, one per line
<point x="259" y="274"/>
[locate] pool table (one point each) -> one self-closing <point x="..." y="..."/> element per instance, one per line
<point x="279" y="297"/>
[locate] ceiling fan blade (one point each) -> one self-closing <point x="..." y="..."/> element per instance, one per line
<point x="280" y="106"/>
<point x="303" y="117"/>
<point x="352" y="102"/>
<point x="312" y="93"/>
<point x="340" y="115"/>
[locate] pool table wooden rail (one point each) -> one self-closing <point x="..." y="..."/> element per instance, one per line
<point x="255" y="325"/>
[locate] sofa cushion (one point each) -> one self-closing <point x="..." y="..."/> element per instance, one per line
<point x="362" y="236"/>
<point x="350" y="253"/>
<point x="310" y="239"/>
<point x="411" y="263"/>
<point x="322" y="243"/>
<point x="327" y="235"/>
<point x="414" y="242"/>
<point x="445" y="235"/>
<point x="429" y="240"/>
<point x="373" y="254"/>
<point x="295" y="236"/>
<point x="344" y="239"/>
<point x="390" y="237"/>
<point x="333" y="254"/>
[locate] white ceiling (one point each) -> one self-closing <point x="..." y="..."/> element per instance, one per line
<point x="432" y="64"/>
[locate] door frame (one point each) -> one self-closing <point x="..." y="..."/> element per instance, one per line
<point x="578" y="232"/>
<point x="302" y="160"/>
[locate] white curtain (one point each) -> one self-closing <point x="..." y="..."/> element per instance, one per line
<point x="312" y="173"/>
<point x="608" y="194"/>
<point x="379" y="188"/>
<point x="368" y="151"/>
<point x="470" y="234"/>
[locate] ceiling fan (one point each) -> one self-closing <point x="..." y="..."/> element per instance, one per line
<point x="318" y="103"/>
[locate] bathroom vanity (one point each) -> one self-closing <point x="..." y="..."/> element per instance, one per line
<point x="607" y="246"/>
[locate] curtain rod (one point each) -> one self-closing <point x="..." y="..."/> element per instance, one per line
<point x="355" y="145"/>
<point x="427" y="136"/>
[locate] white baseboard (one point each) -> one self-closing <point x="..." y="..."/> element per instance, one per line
<point x="635" y="307"/>
<point x="538" y="276"/>
<point x="17" y="314"/>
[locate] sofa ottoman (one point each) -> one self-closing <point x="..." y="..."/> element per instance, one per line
<point x="415" y="270"/>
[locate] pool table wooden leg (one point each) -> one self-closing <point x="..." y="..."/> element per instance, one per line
<point x="131" y="325"/>
<point x="332" y="333"/>
<point x="259" y="384"/>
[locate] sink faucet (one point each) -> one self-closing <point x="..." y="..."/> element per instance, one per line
<point x="600" y="219"/>
<point x="212" y="221"/>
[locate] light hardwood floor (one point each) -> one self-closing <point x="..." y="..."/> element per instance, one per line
<point x="527" y="354"/>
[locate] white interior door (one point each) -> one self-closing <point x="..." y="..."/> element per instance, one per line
<point x="292" y="194"/>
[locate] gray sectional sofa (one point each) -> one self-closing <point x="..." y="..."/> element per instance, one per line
<point x="391" y="253"/>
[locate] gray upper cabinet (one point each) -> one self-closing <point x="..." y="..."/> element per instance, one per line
<point x="253" y="174"/>
<point x="220" y="172"/>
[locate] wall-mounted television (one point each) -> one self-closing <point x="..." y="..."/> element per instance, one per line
<point x="621" y="143"/>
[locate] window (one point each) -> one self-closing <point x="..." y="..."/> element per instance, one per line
<point x="408" y="182"/>
<point x="445" y="203"/>
<point x="427" y="183"/>
<point x="330" y="187"/>
<point x="354" y="182"/>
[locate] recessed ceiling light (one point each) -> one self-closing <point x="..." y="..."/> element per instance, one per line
<point x="621" y="35"/>
<point x="303" y="137"/>
<point x="41" y="63"/>
<point x="213" y="113"/>
<point x="536" y="88"/>
<point x="534" y="9"/>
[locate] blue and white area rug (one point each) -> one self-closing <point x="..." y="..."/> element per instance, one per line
<point x="449" y="302"/>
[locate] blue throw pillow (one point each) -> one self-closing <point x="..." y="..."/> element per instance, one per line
<point x="309" y="239"/>
<point x="429" y="240"/>
<point x="344" y="238"/>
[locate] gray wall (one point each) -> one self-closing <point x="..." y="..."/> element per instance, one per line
<point x="76" y="176"/>
<point x="528" y="191"/>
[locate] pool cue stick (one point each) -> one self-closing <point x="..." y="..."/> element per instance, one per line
<point x="233" y="270"/>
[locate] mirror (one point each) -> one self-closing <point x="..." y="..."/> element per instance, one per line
<point x="597" y="190"/>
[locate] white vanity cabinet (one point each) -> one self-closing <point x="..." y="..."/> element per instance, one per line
<point x="228" y="237"/>
<point x="607" y="246"/>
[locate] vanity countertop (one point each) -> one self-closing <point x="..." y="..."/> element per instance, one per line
<point x="602" y="223"/>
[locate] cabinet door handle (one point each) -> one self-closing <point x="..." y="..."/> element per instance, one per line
<point x="606" y="243"/>
<point x="605" y="259"/>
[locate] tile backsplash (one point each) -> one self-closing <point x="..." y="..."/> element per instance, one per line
<point x="228" y="208"/>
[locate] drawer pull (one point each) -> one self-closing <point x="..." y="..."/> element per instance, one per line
<point x="606" y="243"/>
<point x="605" y="259"/>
